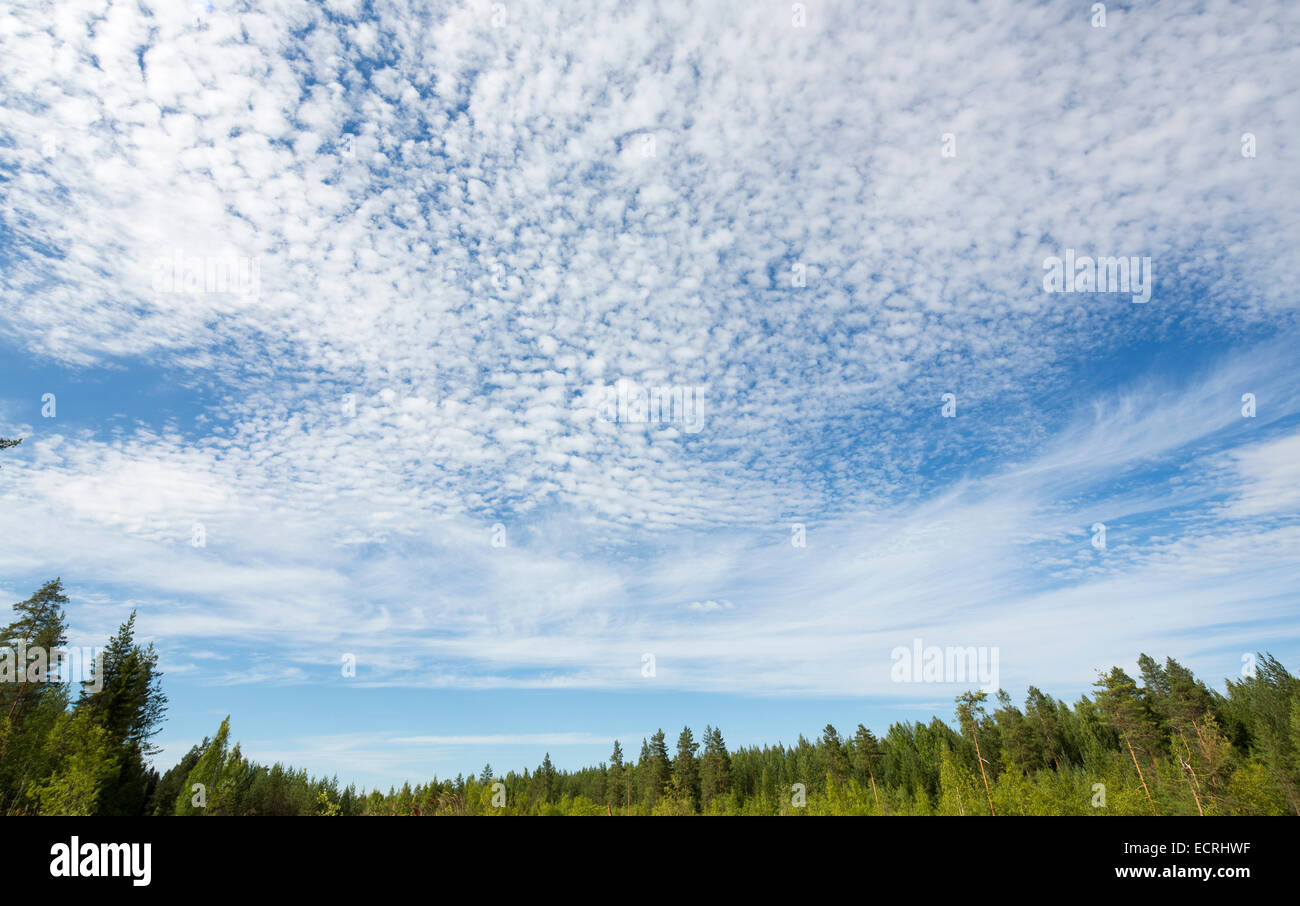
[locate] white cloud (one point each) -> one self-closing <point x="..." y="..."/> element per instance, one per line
<point x="459" y="228"/>
<point x="1269" y="477"/>
<point x="709" y="606"/>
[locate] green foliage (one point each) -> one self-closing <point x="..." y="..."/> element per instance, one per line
<point x="29" y="708"/>
<point x="84" y="761"/>
<point x="686" y="773"/>
<point x="715" y="769"/>
<point x="87" y="758"/>
<point x="125" y="697"/>
<point x="325" y="807"/>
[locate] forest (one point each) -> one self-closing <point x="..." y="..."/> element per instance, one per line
<point x="1169" y="745"/>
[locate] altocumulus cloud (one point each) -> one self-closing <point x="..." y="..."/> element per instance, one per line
<point x="469" y="220"/>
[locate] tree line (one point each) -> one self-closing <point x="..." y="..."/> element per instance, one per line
<point x="1169" y="745"/>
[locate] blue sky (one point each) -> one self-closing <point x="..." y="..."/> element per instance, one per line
<point x="451" y="229"/>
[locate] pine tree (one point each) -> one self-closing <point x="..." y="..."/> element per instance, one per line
<point x="1187" y="709"/>
<point x="866" y="758"/>
<point x="29" y="705"/>
<point x="686" y="775"/>
<point x="715" y="768"/>
<point x="41" y="624"/>
<point x="1155" y="684"/>
<point x="970" y="711"/>
<point x="833" y="754"/>
<point x="1130" y="716"/>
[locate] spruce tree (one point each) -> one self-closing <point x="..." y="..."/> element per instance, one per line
<point x="616" y="786"/>
<point x="126" y="698"/>
<point x="1042" y="717"/>
<point x="200" y="787"/>
<point x="545" y="779"/>
<point x="163" y="799"/>
<point x="1265" y="707"/>
<point x="656" y="768"/>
